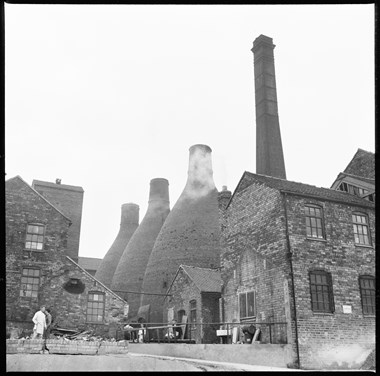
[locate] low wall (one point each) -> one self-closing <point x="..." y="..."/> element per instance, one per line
<point x="62" y="346"/>
<point x="254" y="354"/>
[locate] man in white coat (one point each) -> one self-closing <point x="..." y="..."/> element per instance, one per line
<point x="39" y="320"/>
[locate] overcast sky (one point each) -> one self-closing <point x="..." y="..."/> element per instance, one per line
<point x="108" y="97"/>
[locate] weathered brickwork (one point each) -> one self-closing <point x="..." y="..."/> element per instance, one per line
<point x="69" y="199"/>
<point x="183" y="291"/>
<point x="256" y="256"/>
<point x="63" y="346"/>
<point x="253" y="255"/>
<point x="327" y="339"/>
<point x="23" y="206"/>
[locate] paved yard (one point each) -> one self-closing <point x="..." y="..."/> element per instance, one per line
<point x="127" y="362"/>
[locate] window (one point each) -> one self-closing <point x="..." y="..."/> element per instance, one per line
<point x="321" y="291"/>
<point x="34" y="237"/>
<point x="367" y="293"/>
<point x="193" y="314"/>
<point x="30" y="282"/>
<point x="95" y="307"/>
<point x="314" y="224"/>
<point x="361" y="231"/>
<point x="247" y="304"/>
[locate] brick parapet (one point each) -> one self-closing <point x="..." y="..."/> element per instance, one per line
<point x="63" y="346"/>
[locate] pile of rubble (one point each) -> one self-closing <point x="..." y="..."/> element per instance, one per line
<point x="73" y="335"/>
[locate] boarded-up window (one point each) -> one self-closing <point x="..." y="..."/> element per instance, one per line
<point x="247" y="304"/>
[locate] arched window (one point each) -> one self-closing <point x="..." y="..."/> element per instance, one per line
<point x="314" y="221"/>
<point x="367" y="293"/>
<point x="321" y="291"/>
<point x="361" y="229"/>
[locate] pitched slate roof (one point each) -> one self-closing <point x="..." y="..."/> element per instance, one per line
<point x="90" y="263"/>
<point x="207" y="280"/>
<point x="249" y="178"/>
<point x="362" y="164"/>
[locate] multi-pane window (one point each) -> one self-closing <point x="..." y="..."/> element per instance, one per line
<point x="314" y="222"/>
<point x="357" y="191"/>
<point x="34" y="237"/>
<point x="367" y="292"/>
<point x="30" y="282"/>
<point x="95" y="307"/>
<point x="247" y="304"/>
<point x="361" y="230"/>
<point x="321" y="291"/>
<point x="193" y="314"/>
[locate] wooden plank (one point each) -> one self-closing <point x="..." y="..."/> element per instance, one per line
<point x="257" y="332"/>
<point x="235" y="334"/>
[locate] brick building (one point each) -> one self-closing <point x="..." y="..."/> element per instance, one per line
<point x="303" y="255"/>
<point x="89" y="264"/>
<point x="195" y="292"/>
<point x="39" y="271"/>
<point x="69" y="200"/>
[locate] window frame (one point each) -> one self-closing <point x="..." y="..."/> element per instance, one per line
<point x="29" y="236"/>
<point x="33" y="278"/>
<point x="372" y="295"/>
<point x="309" y="217"/>
<point x="363" y="225"/>
<point x="246" y="305"/>
<point x="99" y="293"/>
<point x="330" y="291"/>
<point x="193" y="313"/>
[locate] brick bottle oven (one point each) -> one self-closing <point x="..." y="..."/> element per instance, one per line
<point x="130" y="270"/>
<point x="128" y="225"/>
<point x="190" y="234"/>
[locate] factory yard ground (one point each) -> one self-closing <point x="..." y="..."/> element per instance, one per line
<point x="121" y="362"/>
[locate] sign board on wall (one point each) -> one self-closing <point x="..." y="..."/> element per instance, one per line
<point x="347" y="309"/>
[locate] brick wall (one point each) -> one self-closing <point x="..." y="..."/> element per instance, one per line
<point x="183" y="291"/>
<point x="69" y="199"/>
<point x="254" y="256"/>
<point x="331" y="340"/>
<point x="62" y="346"/>
<point x="24" y="206"/>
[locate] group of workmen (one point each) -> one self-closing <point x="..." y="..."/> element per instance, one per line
<point x="42" y="323"/>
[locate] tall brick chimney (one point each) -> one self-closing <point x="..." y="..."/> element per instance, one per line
<point x="190" y="234"/>
<point x="128" y="225"/>
<point x="269" y="154"/>
<point x="130" y="270"/>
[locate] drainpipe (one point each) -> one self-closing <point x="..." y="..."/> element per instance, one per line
<point x="292" y="277"/>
